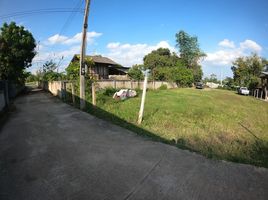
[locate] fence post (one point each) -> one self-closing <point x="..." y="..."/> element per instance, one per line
<point x="114" y="84"/>
<point x="73" y="96"/>
<point x="143" y="98"/>
<point x="257" y="93"/>
<point x="93" y="94"/>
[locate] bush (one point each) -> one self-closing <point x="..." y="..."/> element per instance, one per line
<point x="109" y="91"/>
<point x="182" y="76"/>
<point x="163" y="87"/>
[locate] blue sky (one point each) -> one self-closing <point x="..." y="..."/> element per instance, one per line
<point x="126" y="30"/>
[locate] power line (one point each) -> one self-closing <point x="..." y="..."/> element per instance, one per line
<point x="41" y="11"/>
<point x="78" y="6"/>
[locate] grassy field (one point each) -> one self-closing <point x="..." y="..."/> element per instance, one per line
<point x="216" y="123"/>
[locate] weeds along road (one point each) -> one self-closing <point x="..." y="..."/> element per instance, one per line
<point x="50" y="150"/>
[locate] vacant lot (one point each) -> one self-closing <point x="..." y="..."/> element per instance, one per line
<point x="216" y="123"/>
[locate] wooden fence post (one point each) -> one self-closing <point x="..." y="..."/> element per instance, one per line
<point x="73" y="96"/>
<point x="93" y="94"/>
<point x="143" y="98"/>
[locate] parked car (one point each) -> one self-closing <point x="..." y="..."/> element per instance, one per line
<point x="243" y="91"/>
<point x="199" y="85"/>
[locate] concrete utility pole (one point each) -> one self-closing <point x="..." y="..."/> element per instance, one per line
<point x="82" y="58"/>
<point x="143" y="98"/>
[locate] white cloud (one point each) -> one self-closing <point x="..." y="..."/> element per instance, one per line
<point x="227" y="43"/>
<point x="130" y="54"/>
<point x="77" y="38"/>
<point x="250" y="45"/>
<point x="222" y="57"/>
<point x="225" y="57"/>
<point x="57" y="39"/>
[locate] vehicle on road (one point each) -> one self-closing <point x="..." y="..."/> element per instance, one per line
<point x="243" y="91"/>
<point x="199" y="85"/>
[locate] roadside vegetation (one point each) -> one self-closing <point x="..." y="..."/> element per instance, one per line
<point x="216" y="123"/>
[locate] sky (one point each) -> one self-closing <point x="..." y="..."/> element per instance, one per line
<point x="126" y="30"/>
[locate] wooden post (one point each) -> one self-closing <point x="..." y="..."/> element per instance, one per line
<point x="93" y="94"/>
<point x="143" y="99"/>
<point x="114" y="84"/>
<point x="73" y="96"/>
<point x="257" y="93"/>
<point x="261" y="93"/>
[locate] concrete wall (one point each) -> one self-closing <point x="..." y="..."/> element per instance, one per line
<point x="134" y="84"/>
<point x="58" y="88"/>
<point x="55" y="87"/>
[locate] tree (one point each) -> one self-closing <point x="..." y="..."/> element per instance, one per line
<point x="246" y="70"/>
<point x="159" y="58"/>
<point x="31" y="77"/>
<point x="49" y="66"/>
<point x="17" y="49"/>
<point x="47" y="73"/>
<point x="212" y="78"/>
<point x="182" y="76"/>
<point x="73" y="71"/>
<point x="190" y="53"/>
<point x="135" y="72"/>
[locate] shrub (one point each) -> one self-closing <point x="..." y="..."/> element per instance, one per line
<point x="163" y="87"/>
<point x="109" y="91"/>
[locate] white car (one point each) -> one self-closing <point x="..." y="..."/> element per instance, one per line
<point x="243" y="90"/>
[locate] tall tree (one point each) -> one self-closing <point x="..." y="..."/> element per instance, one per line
<point x="246" y="70"/>
<point x="135" y="72"/>
<point x="161" y="57"/>
<point x="17" y="49"/>
<point x="190" y="52"/>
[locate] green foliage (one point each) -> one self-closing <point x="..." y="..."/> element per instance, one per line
<point x="229" y="84"/>
<point x="163" y="87"/>
<point x="53" y="76"/>
<point x="189" y="49"/>
<point x="73" y="71"/>
<point x="190" y="53"/>
<point x="31" y="77"/>
<point x="135" y="72"/>
<point x="182" y="76"/>
<point x="161" y="58"/>
<point x="197" y="73"/>
<point x="47" y="73"/>
<point x="49" y="66"/>
<point x="246" y="70"/>
<point x="109" y="91"/>
<point x="212" y="78"/>
<point x="211" y="128"/>
<point x="16" y="52"/>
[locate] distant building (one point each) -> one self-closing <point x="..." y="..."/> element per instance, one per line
<point x="212" y="85"/>
<point x="103" y="67"/>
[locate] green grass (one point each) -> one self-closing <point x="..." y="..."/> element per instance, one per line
<point x="216" y="123"/>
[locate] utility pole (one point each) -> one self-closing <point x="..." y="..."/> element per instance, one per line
<point x="82" y="58"/>
<point x="143" y="97"/>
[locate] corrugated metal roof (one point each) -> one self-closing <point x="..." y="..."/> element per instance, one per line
<point x="99" y="59"/>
